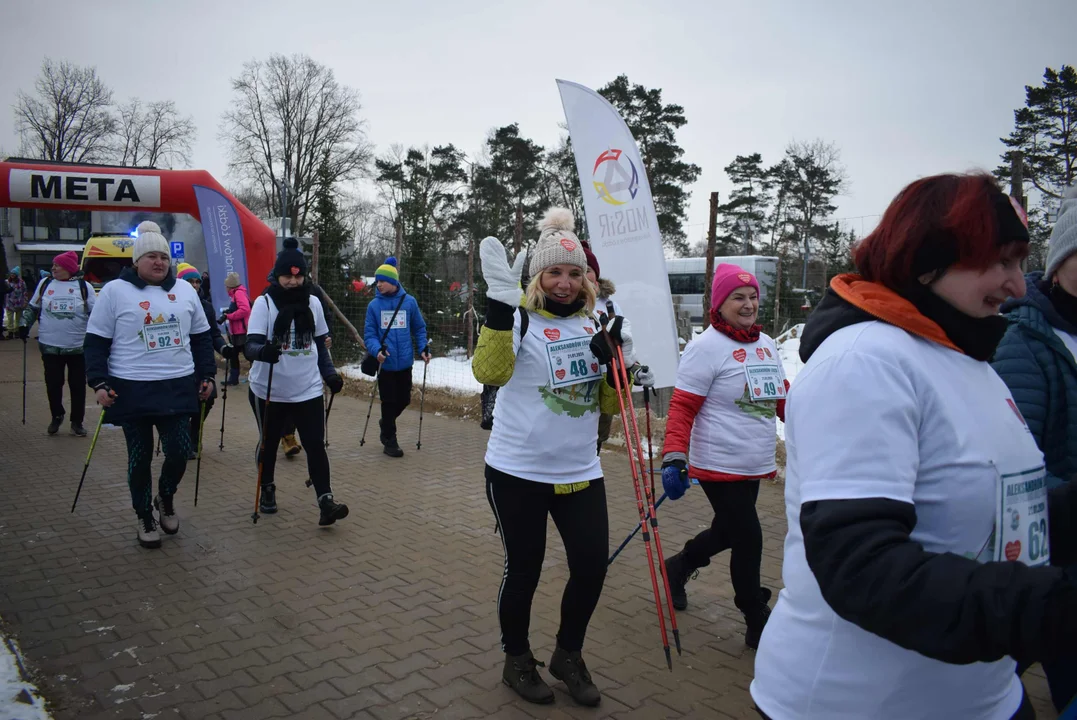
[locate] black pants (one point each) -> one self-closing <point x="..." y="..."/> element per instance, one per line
<point x="735" y="527"/>
<point x="394" y="389"/>
<point x="308" y="417"/>
<point x="76" y="380"/>
<point x="520" y="509"/>
<point x="175" y="444"/>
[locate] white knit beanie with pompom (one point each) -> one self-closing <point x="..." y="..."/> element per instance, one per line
<point x="148" y="238"/>
<point x="557" y="243"/>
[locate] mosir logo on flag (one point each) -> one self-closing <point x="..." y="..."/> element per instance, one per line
<point x="81" y="188"/>
<point x="615" y="178"/>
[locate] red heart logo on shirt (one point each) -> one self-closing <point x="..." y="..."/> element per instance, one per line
<point x="740" y="355"/>
<point x="768" y="352"/>
<point x="758" y="392"/>
<point x="560" y="374"/>
<point x="145" y="304"/>
<point x="589" y="330"/>
<point x="176" y="340"/>
<point x="51" y="292"/>
<point x="552" y="333"/>
<point x="152" y="344"/>
<point x="594" y="367"/>
<point x="759" y="353"/>
<point x="171" y="297"/>
<point x="1013" y="550"/>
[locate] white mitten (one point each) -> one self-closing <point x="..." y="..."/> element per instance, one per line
<point x="644" y="376"/>
<point x="626" y="343"/>
<point x="502" y="281"/>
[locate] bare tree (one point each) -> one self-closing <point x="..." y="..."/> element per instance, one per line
<point x="154" y="135"/>
<point x="69" y="117"/>
<point x="289" y="115"/>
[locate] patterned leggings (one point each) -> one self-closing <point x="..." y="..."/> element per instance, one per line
<point x="176" y="445"/>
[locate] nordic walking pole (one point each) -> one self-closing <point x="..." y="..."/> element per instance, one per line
<point x="262" y="444"/>
<point x="198" y="463"/>
<point x="224" y="398"/>
<point x="24" y="381"/>
<point x="328" y="410"/>
<point x="617" y="386"/>
<point x="422" y="402"/>
<point x="650" y="440"/>
<point x="370" y="408"/>
<point x="88" y="456"/>
<point x="648" y="491"/>
<point x="628" y="539"/>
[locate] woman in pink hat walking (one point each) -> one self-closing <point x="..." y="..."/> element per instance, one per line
<point x="62" y="304"/>
<point x="730" y="387"/>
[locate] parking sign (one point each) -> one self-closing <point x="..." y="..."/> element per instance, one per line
<point x="177" y="251"/>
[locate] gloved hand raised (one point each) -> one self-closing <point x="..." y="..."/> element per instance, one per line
<point x="675" y="475"/>
<point x="270" y="353"/>
<point x="618" y="331"/>
<point x="502" y="281"/>
<point x="644" y="377"/>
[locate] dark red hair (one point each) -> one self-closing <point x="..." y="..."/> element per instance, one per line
<point x="933" y="223"/>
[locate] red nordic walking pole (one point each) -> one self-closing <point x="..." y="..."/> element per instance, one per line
<point x="643" y="518"/>
<point x="648" y="490"/>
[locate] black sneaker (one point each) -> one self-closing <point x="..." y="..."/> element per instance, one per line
<point x="756" y="619"/>
<point x="54" y="426"/>
<point x="78" y="430"/>
<point x="679" y="575"/>
<point x="392" y="449"/>
<point x="569" y="668"/>
<point x="331" y="510"/>
<point x="521" y="674"/>
<point x="267" y="503"/>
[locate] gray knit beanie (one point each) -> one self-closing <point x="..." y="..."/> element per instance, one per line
<point x="557" y="243"/>
<point x="1063" y="242"/>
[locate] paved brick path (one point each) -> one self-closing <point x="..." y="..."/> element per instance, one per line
<point x="389" y="614"/>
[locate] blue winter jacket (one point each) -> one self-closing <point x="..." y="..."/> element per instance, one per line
<point x="1042" y="376"/>
<point x="399" y="339"/>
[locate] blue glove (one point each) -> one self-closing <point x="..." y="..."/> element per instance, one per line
<point x="675" y="479"/>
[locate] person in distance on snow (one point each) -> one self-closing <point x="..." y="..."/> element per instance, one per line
<point x="540" y="459"/>
<point x="397" y="355"/>
<point x="921" y="523"/>
<point x="189" y="273"/>
<point x="287" y="331"/>
<point x="63" y="303"/>
<point x="606" y="305"/>
<point x="730" y="387"/>
<point x="149" y="359"/>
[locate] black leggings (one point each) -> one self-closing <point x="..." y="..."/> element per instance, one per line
<point x="520" y="509"/>
<point x="75" y="365"/>
<point x="174" y="431"/>
<point x="735" y="526"/>
<point x="308" y="417"/>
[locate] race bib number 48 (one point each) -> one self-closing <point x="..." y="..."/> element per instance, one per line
<point x="162" y="336"/>
<point x="572" y="362"/>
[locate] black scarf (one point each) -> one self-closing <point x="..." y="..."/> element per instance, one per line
<point x="292" y="306"/>
<point x="976" y="337"/>
<point x="1063" y="302"/>
<point x="563" y="309"/>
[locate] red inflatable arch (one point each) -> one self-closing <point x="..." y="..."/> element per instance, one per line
<point x="236" y="240"/>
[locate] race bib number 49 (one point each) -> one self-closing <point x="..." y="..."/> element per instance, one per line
<point x="764" y="382"/>
<point x="162" y="336"/>
<point x="572" y="362"/>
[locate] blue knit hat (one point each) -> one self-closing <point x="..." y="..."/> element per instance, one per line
<point x="387" y="272"/>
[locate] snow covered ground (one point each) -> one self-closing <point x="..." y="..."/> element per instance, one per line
<point x="19" y="699"/>
<point x="789" y="352"/>
<point x="451" y="373"/>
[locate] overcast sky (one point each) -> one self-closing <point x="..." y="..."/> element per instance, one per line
<point x="904" y="89"/>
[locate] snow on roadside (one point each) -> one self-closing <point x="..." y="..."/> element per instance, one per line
<point x="451" y="373"/>
<point x="19" y="698"/>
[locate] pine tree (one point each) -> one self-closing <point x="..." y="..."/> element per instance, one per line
<point x="333" y="235"/>
<point x="743" y="218"/>
<point x="654" y="125"/>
